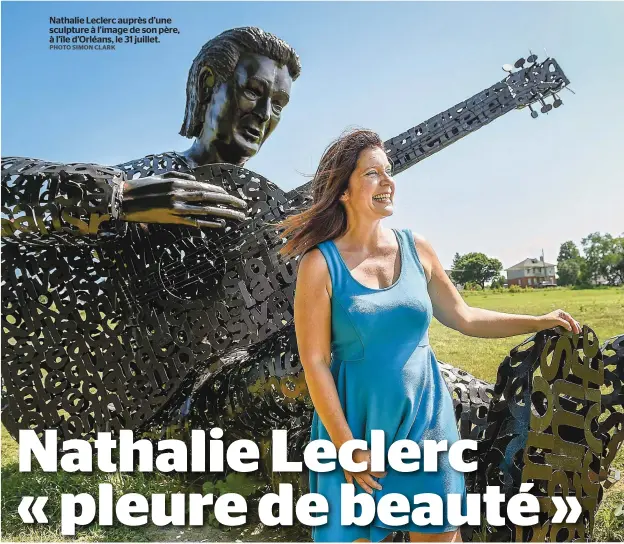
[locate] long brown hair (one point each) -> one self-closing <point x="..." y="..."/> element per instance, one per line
<point x="326" y="219"/>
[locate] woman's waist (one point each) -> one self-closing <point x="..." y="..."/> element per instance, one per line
<point x="379" y="347"/>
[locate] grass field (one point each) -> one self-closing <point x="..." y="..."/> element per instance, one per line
<point x="601" y="309"/>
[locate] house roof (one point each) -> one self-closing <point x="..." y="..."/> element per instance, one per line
<point x="529" y="263"/>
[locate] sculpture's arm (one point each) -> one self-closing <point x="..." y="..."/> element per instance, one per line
<point x="78" y="203"/>
<point x="44" y="202"/>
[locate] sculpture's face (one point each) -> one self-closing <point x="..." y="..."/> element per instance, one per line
<point x="244" y="110"/>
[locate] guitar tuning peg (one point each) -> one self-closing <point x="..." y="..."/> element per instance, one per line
<point x="558" y="102"/>
<point x="532" y="58"/>
<point x="508" y="68"/>
<point x="545" y="107"/>
<point x="533" y="112"/>
<point x="519" y="63"/>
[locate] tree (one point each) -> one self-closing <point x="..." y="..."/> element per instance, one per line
<point x="475" y="267"/>
<point x="604" y="258"/>
<point x="569" y="264"/>
<point x="614" y="262"/>
<point x="567" y="251"/>
<point x="456" y="259"/>
<point x="569" y="271"/>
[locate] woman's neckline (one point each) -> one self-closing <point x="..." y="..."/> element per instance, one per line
<point x="398" y="238"/>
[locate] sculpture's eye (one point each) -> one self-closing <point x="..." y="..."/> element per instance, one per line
<point x="253" y="94"/>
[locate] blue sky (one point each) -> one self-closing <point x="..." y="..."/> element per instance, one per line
<point x="508" y="190"/>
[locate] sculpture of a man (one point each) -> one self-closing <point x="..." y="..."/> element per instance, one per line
<point x="237" y="88"/>
<point x="77" y="235"/>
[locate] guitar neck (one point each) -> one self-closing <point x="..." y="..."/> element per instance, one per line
<point x="442" y="130"/>
<point x="519" y="89"/>
<point x="445" y="128"/>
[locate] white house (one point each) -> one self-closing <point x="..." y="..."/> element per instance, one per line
<point x="532" y="273"/>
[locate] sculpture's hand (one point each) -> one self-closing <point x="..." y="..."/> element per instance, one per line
<point x="177" y="198"/>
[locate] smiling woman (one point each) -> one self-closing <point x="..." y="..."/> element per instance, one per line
<point x="364" y="300"/>
<point x="361" y="305"/>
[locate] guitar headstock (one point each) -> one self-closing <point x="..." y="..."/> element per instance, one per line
<point x="534" y="81"/>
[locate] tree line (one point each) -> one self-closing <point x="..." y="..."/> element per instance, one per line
<point x="602" y="261"/>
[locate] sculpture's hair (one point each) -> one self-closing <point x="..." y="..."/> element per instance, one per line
<point x="326" y="218"/>
<point x="221" y="55"/>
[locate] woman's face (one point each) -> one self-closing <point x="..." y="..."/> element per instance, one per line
<point x="371" y="188"/>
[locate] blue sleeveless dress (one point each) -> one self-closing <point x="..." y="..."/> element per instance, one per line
<point x="387" y="378"/>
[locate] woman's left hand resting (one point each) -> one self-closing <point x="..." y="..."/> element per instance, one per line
<point x="558" y="318"/>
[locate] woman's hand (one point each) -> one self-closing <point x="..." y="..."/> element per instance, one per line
<point x="365" y="478"/>
<point x="559" y="318"/>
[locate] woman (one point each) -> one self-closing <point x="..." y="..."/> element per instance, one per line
<point x="364" y="300"/>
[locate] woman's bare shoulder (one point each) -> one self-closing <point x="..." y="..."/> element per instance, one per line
<point x="313" y="261"/>
<point x="313" y="269"/>
<point x="422" y="244"/>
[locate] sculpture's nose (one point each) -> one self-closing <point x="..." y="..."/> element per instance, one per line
<point x="263" y="109"/>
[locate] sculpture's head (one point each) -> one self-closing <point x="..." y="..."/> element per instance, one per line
<point x="353" y="183"/>
<point x="237" y="87"/>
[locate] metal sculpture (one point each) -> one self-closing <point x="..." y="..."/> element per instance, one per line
<point x="543" y="428"/>
<point x="113" y="325"/>
<point x="255" y="292"/>
<point x="253" y="289"/>
<point x="74" y="342"/>
<point x="612" y="427"/>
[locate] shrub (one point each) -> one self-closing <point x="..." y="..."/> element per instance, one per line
<point x="472" y="286"/>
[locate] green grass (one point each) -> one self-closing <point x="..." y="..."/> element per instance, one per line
<point x="601" y="309"/>
<point x="609" y="523"/>
<point x="16" y="485"/>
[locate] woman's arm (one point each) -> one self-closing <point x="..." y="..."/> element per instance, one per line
<point x="313" y="330"/>
<point x="451" y="309"/>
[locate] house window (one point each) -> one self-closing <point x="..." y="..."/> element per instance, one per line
<point x="529" y="281"/>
